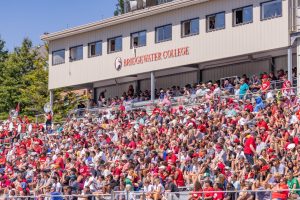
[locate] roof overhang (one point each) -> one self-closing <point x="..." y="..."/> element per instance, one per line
<point x="122" y="18"/>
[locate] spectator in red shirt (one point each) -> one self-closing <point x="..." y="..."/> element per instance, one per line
<point x="208" y="190"/>
<point x="249" y="147"/>
<point x="218" y="192"/>
<point x="265" y="85"/>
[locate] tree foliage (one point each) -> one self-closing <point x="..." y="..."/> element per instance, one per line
<point x="119" y="8"/>
<point x="24" y="80"/>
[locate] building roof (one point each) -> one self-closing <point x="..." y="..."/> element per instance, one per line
<point x="176" y="4"/>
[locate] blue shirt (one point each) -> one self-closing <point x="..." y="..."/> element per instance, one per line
<point x="56" y="196"/>
<point x="243" y="89"/>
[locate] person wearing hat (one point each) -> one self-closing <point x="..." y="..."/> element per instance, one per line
<point x="265" y="85"/>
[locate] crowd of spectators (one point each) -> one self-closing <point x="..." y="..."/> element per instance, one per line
<point x="219" y="147"/>
<point x="238" y="86"/>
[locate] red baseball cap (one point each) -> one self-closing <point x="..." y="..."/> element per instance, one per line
<point x="265" y="76"/>
<point x="265" y="168"/>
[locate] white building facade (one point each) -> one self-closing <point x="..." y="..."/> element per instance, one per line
<point x="175" y="43"/>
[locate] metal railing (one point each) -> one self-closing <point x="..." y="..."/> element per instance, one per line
<point x="259" y="194"/>
<point x="191" y="100"/>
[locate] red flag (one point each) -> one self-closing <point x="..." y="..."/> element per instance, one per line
<point x="18" y="108"/>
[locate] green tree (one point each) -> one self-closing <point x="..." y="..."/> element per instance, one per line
<point x="24" y="80"/>
<point x="65" y="101"/>
<point x="119" y="8"/>
<point x="3" y="57"/>
<point x="3" y="51"/>
<point x="34" y="91"/>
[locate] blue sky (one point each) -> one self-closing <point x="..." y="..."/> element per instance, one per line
<point x="31" y="18"/>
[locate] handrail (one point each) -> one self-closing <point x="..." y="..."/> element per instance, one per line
<point x="187" y="100"/>
<point x="125" y="192"/>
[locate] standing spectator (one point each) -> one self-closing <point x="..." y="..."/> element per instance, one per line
<point x="49" y="119"/>
<point x="243" y="88"/>
<point x="249" y="147"/>
<point x="266" y="84"/>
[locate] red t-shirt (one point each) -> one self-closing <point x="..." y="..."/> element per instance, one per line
<point x="208" y="192"/>
<point x="173" y="158"/>
<point x="37" y="149"/>
<point x="249" y="107"/>
<point x="196" y="194"/>
<point x="84" y="170"/>
<point x="249" y="141"/>
<point x="218" y="195"/>
<point x="60" y="162"/>
<point x="132" y="145"/>
<point x="265" y="85"/>
<point x="2" y="160"/>
<point x="180" y="179"/>
<point x="264" y="124"/>
<point x="43" y="159"/>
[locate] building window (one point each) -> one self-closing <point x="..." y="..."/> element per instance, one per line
<point x="243" y="15"/>
<point x="215" y="21"/>
<point x="138" y="39"/>
<point x="95" y="49"/>
<point x="58" y="57"/>
<point x="190" y="27"/>
<point x="163" y="33"/>
<point x="76" y="53"/>
<point x="115" y="44"/>
<point x="271" y="9"/>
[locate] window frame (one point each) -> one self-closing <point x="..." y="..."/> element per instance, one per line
<point x="108" y="44"/>
<point x="64" y="57"/>
<point x="71" y="60"/>
<point x="261" y="10"/>
<point x="215" y="14"/>
<point x="90" y="56"/>
<point x="234" y="16"/>
<point x="191" y="34"/>
<point x="165" y="40"/>
<point x="131" y="42"/>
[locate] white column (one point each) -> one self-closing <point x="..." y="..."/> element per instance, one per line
<point x="51" y="99"/>
<point x="152" y="86"/>
<point x="290" y="64"/>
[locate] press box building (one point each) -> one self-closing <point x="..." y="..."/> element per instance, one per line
<point x="158" y="44"/>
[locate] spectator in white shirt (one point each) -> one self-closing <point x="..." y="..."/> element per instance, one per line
<point x="260" y="145"/>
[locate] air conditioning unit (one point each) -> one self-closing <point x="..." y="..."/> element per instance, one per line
<point x="133" y="5"/>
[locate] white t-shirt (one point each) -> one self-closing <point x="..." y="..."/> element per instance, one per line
<point x="90" y="182"/>
<point x="148" y="188"/>
<point x="156" y="187"/>
<point x="57" y="186"/>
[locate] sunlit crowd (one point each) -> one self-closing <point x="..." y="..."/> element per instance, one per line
<point x="221" y="140"/>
